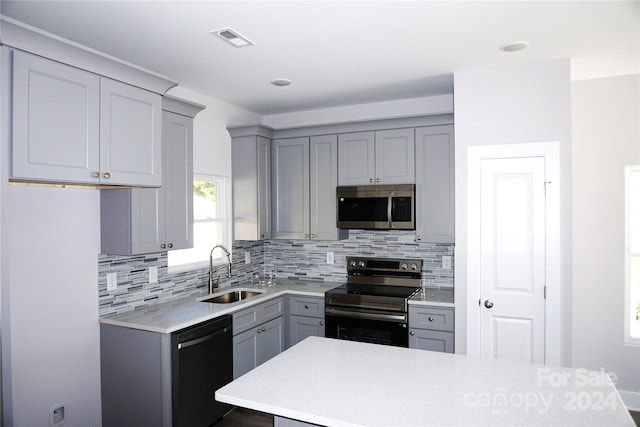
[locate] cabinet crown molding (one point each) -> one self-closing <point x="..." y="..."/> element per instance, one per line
<point x="21" y="36"/>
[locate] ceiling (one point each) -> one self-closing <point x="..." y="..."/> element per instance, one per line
<point x="341" y="52"/>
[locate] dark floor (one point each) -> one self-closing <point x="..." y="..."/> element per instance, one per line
<point x="241" y="417"/>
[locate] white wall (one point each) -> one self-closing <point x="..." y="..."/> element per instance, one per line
<point x="512" y="105"/>
<point x="606" y="137"/>
<point x="50" y="305"/>
<point x="211" y="141"/>
<point x="441" y="104"/>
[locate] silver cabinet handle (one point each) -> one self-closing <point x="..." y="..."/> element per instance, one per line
<point x="488" y="303"/>
<point x="170" y="245"/>
<point x="412" y="333"/>
<point x="306" y="236"/>
<point x="313" y="236"/>
<point x="106" y="175"/>
<point x="163" y="246"/>
<point x="430" y="318"/>
<point x="306" y="306"/>
<point x="96" y="174"/>
<point x="259" y="330"/>
<point x="370" y="179"/>
<point x="321" y="322"/>
<point x="377" y="179"/>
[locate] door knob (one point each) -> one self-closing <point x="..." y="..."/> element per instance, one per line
<point x="488" y="303"/>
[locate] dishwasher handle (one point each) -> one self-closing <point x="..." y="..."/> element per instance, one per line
<point x="202" y="339"/>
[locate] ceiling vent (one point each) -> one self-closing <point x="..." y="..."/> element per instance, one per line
<point x="232" y="37"/>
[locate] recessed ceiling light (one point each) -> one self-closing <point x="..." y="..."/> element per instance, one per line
<point x="514" y="46"/>
<point x="232" y="37"/>
<point x="281" y="82"/>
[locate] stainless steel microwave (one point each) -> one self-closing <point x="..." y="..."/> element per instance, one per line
<point x="376" y="207"/>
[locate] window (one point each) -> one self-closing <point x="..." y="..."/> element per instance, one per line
<point x="210" y="224"/>
<point x="632" y="310"/>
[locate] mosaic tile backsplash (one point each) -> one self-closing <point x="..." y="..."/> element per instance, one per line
<point x="300" y="259"/>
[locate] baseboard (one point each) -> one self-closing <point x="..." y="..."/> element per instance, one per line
<point x="631" y="399"/>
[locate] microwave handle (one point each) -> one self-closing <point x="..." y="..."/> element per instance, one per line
<point x="389" y="211"/>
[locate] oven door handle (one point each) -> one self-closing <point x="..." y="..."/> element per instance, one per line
<point x="401" y="318"/>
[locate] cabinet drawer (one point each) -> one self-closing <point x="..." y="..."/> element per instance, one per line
<point x="306" y="306"/>
<point x="253" y="316"/>
<point x="432" y="318"/>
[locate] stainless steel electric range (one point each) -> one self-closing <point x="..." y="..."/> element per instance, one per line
<point x="373" y="305"/>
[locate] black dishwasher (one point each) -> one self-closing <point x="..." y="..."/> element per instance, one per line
<point x="202" y="362"/>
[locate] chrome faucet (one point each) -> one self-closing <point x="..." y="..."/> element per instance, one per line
<point x="213" y="284"/>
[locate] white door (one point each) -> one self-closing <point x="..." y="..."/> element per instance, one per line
<point x="512" y="258"/>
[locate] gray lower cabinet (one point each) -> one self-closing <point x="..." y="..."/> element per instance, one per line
<point x="73" y="126"/>
<point x="435" y="184"/>
<point x="305" y="318"/>
<point x="431" y="328"/>
<point x="258" y="335"/>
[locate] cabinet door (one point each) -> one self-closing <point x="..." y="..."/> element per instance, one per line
<point x="245" y="352"/>
<point x="323" y="179"/>
<point x="290" y="188"/>
<point x="301" y="327"/>
<point x="356" y="158"/>
<point x="177" y="136"/>
<point x="264" y="188"/>
<point x="395" y="156"/>
<point x="130" y="135"/>
<point x="435" y="184"/>
<point x="423" y="339"/>
<point x="55" y="121"/>
<point x="271" y="340"/>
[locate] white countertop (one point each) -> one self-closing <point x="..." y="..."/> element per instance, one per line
<point x="175" y="315"/>
<point x="439" y="297"/>
<point x="343" y="383"/>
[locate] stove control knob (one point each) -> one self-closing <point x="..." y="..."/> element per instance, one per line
<point x="404" y="266"/>
<point x="352" y="263"/>
<point x="361" y="264"/>
<point x="414" y="267"/>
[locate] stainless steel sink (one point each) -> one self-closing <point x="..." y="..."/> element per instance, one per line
<point x="231" y="296"/>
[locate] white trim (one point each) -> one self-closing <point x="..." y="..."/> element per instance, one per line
<point x="551" y="152"/>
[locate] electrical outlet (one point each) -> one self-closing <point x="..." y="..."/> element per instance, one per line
<point x="112" y="281"/>
<point x="57" y="415"/>
<point x="446" y="262"/>
<point x="330" y="257"/>
<point x="247" y="258"/>
<point x="153" y="274"/>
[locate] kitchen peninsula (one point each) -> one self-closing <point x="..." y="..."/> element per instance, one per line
<point x="338" y="383"/>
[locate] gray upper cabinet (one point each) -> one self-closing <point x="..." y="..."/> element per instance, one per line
<point x="304" y="178"/>
<point x="381" y="157"/>
<point x="251" y="180"/>
<point x="435" y="184"/>
<point x="147" y="220"/>
<point x="290" y="188"/>
<point x="73" y="126"/>
<point x="130" y="135"/>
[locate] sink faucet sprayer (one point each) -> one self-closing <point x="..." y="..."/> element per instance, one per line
<point x="213" y="285"/>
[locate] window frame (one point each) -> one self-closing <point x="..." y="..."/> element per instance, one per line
<point x="224" y="187"/>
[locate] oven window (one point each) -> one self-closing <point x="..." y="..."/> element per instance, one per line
<point x="365" y="330"/>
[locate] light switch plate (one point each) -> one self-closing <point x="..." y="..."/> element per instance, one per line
<point x="446" y="262"/>
<point x="247" y="258"/>
<point x="153" y="274"/>
<point x="330" y="257"/>
<point x="112" y="281"/>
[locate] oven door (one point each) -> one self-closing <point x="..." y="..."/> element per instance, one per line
<point x="376" y="327"/>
